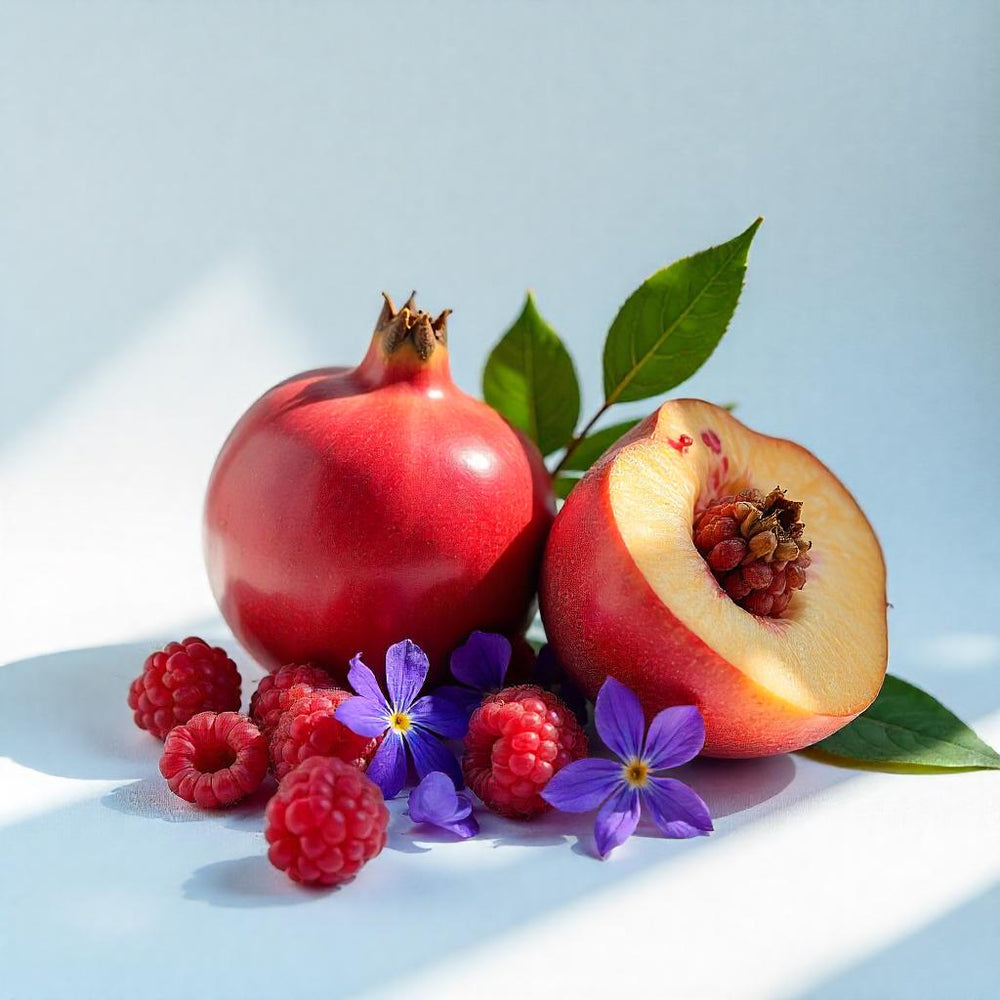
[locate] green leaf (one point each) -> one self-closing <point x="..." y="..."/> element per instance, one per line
<point x="905" y="725"/>
<point x="671" y="323"/>
<point x="590" y="449"/>
<point x="529" y="378"/>
<point x="563" y="484"/>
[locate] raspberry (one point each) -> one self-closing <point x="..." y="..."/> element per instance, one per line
<point x="277" y="691"/>
<point x="326" y="820"/>
<point x="214" y="760"/>
<point x="181" y="680"/>
<point x="308" y="728"/>
<point x="754" y="545"/>
<point x="517" y="739"/>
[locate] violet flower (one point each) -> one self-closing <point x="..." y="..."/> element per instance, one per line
<point x="623" y="787"/>
<point x="409" y="724"/>
<point x="480" y="665"/>
<point x="435" y="801"/>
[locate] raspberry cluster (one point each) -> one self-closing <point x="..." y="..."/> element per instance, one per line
<point x="181" y="680"/>
<point x="754" y="546"/>
<point x="327" y="818"/>
<point x="517" y="739"/>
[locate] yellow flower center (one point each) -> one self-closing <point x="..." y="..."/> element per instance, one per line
<point x="400" y="722"/>
<point x="636" y="773"/>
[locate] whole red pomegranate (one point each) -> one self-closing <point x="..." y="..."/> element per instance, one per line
<point x="354" y="507"/>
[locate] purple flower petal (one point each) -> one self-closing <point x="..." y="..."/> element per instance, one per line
<point x="388" y="767"/>
<point x="435" y="801"/>
<point x="619" y="720"/>
<point x="617" y="820"/>
<point x="365" y="683"/>
<point x="430" y="754"/>
<point x="467" y="699"/>
<point x="583" y="785"/>
<point x="675" y="736"/>
<point x="482" y="661"/>
<point x="467" y="826"/>
<point x="363" y="716"/>
<point x="677" y="810"/>
<point x="441" y="714"/>
<point x="406" y="667"/>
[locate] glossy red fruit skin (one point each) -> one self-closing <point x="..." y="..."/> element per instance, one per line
<point x="350" y="508"/>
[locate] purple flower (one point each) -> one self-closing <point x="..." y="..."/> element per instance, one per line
<point x="435" y="801"/>
<point x="408" y="722"/>
<point x="481" y="662"/>
<point x="622" y="787"/>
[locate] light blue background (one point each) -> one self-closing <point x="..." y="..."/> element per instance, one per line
<point x="474" y="150"/>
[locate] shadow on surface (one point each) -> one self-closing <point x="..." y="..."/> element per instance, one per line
<point x="149" y="798"/>
<point x="246" y="882"/>
<point x="66" y="713"/>
<point x="955" y="956"/>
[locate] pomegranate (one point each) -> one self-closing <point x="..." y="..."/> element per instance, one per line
<point x="353" y="507"/>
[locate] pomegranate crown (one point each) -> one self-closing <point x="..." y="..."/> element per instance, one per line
<point x="396" y="327"/>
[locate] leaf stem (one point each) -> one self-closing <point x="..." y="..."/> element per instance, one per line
<point x="574" y="441"/>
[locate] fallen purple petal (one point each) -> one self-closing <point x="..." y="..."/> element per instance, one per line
<point x="436" y="801"/>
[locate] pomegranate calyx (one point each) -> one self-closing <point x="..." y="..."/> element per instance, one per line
<point x="408" y="324"/>
<point x="755" y="547"/>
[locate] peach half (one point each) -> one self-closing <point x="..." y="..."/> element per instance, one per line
<point x="625" y="591"/>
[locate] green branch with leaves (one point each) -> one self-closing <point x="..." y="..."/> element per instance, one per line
<point x="665" y="331"/>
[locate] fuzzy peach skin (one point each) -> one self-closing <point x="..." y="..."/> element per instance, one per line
<point x="625" y="593"/>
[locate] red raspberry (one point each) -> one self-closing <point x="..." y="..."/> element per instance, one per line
<point x="214" y="760"/>
<point x="181" y="680"/>
<point x="325" y="821"/>
<point x="517" y="739"/>
<point x="277" y="691"/>
<point x="308" y="728"/>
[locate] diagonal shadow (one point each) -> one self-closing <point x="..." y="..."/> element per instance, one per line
<point x="954" y="956"/>
<point x="128" y="866"/>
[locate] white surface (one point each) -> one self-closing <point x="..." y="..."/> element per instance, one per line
<point x="113" y="886"/>
<point x="200" y="200"/>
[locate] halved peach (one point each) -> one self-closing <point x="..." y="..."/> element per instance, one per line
<point x="625" y="591"/>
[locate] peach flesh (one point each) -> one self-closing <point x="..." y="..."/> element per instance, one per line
<point x="625" y="593"/>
